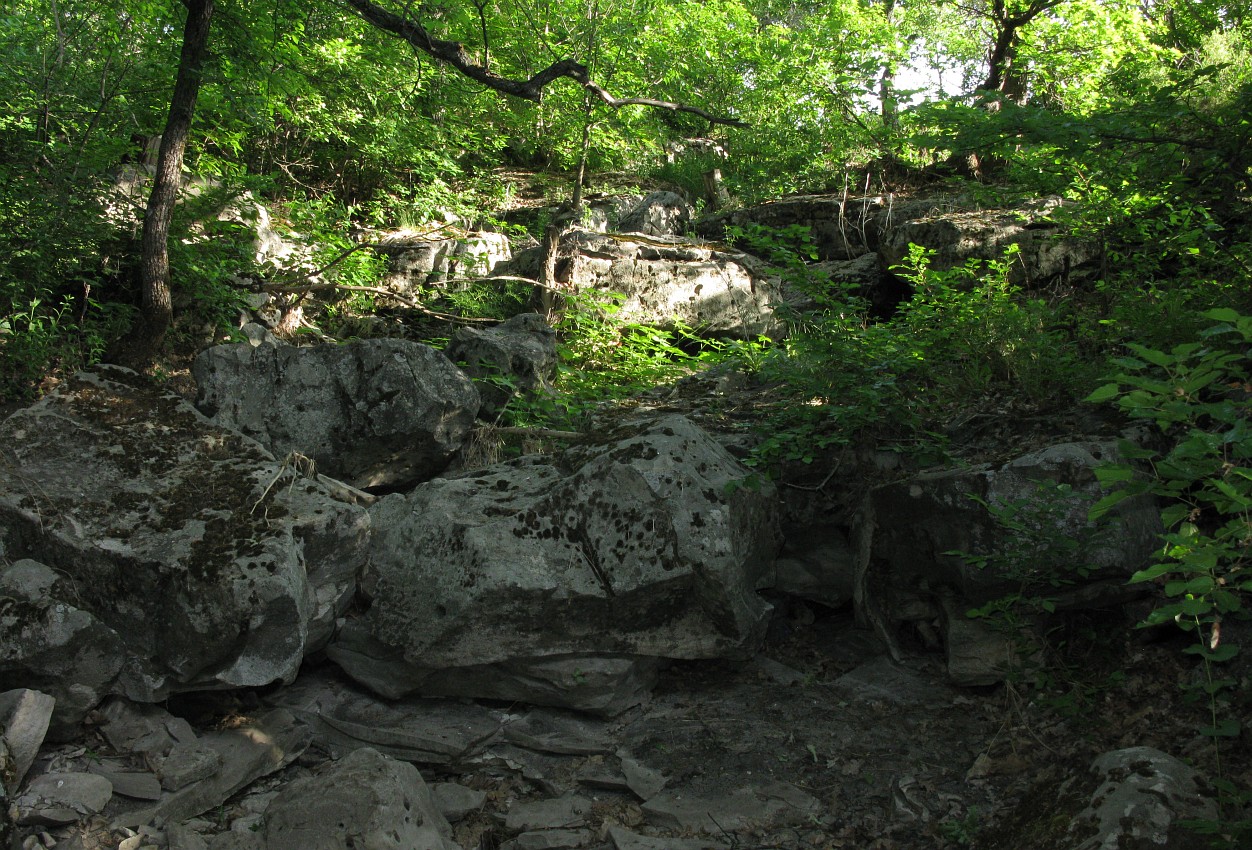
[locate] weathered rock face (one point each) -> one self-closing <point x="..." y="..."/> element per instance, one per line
<point x="914" y="570"/>
<point x="658" y="214"/>
<point x="48" y="643"/>
<point x="1045" y="254"/>
<point x="414" y="262"/>
<point x="519" y="353"/>
<point x="1143" y="796"/>
<point x="718" y="293"/>
<point x="848" y="228"/>
<point x="363" y="800"/>
<point x="373" y="413"/>
<point x="533" y="578"/>
<point x="211" y="564"/>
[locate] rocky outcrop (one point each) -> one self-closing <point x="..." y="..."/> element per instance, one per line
<point x="661" y="281"/>
<point x="195" y="559"/>
<point x="557" y="580"/>
<point x="415" y="262"/>
<point x="363" y="800"/>
<point x="658" y="214"/>
<point x="374" y="413"/>
<point x="49" y="643"/>
<point x="1045" y="254"/>
<point x="933" y="547"/>
<point x="955" y="229"/>
<point x="840" y="227"/>
<point x="516" y="357"/>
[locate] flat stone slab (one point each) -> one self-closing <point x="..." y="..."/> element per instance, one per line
<point x="624" y="839"/>
<point x="562" y="813"/>
<point x="559" y="733"/>
<point x="881" y="680"/>
<point x="56" y="799"/>
<point x="424" y="731"/>
<point x="135" y="784"/>
<point x="552" y="839"/>
<point x="266" y="744"/>
<point x="771" y="803"/>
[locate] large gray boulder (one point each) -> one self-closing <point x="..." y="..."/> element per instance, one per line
<point x="516" y="357"/>
<point x="658" y="214"/>
<point x="664" y="279"/>
<point x="1046" y="253"/>
<point x="415" y="261"/>
<point x="374" y="413"/>
<point x="1143" y="797"/>
<point x="212" y="564"/>
<point x="553" y="579"/>
<point x="364" y="800"/>
<point x="933" y="547"/>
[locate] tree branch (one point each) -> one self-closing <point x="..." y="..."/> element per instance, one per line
<point x="458" y="57"/>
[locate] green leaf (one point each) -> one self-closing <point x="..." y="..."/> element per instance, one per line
<point x="1156" y="358"/>
<point x="1113" y="473"/>
<point x="1106" y="504"/>
<point x="1104" y="393"/>
<point x="1224" y="652"/>
<point x="1222" y="314"/>
<point x="1227" y="727"/>
<point x="1152" y="572"/>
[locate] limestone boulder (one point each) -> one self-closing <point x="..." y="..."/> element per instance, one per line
<point x="658" y="214"/>
<point x="558" y="579"/>
<point x="373" y="413"/>
<point x="363" y="800"/>
<point x="49" y="643"/>
<point x="605" y="214"/>
<point x="1143" y="797"/>
<point x="211" y="563"/>
<point x="416" y="261"/>
<point x="938" y="549"/>
<point x="517" y="357"/>
<point x="1046" y="253"/>
<point x="663" y="280"/>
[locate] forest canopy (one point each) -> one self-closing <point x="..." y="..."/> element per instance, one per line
<point x="318" y="108"/>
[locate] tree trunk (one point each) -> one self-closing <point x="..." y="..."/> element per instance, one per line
<point x="887" y="99"/>
<point x="157" y="313"/>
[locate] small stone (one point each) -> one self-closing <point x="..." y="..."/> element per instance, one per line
<point x="456" y="801"/>
<point x="185" y="764"/>
<point x="561" y="813"/>
<point x="24" y="719"/>
<point x="645" y="782"/>
<point x="552" y="839"/>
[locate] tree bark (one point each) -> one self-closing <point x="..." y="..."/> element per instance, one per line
<point x="1002" y="74"/>
<point x="158" y="313"/>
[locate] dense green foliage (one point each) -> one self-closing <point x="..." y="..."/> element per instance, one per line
<point x="1137" y="112"/>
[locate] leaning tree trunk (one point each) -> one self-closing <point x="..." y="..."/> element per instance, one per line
<point x="158" y="311"/>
